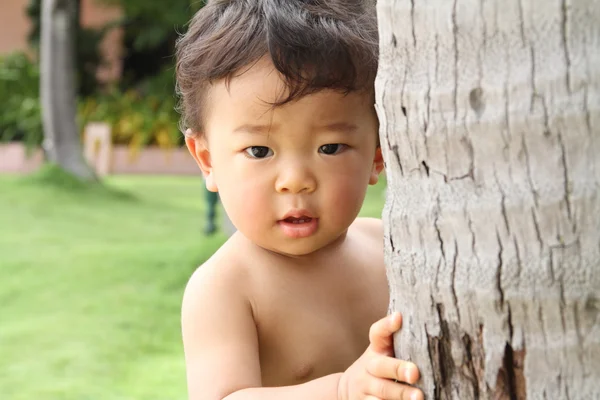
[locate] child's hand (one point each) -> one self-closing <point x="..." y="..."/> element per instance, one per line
<point x="372" y="376"/>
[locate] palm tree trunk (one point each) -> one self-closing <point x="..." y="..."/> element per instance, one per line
<point x="490" y="125"/>
<point x="62" y="143"/>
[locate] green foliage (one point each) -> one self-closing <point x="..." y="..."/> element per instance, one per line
<point x="140" y="117"/>
<point x="34" y="12"/>
<point x="151" y="28"/>
<point x="88" y="59"/>
<point x="20" y="118"/>
<point x="151" y="23"/>
<point x="140" y="109"/>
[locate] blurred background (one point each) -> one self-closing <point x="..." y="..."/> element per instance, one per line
<point x="92" y="271"/>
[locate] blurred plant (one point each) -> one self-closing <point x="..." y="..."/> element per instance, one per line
<point x="141" y="111"/>
<point x="139" y="108"/>
<point x="151" y="28"/>
<point x="138" y="117"/>
<point x="20" y="119"/>
<point x="152" y="22"/>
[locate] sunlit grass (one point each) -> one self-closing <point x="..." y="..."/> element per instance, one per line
<point x="91" y="280"/>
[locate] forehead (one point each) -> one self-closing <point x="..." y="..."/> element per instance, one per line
<point x="249" y="98"/>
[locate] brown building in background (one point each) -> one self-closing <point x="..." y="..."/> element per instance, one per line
<point x="15" y="26"/>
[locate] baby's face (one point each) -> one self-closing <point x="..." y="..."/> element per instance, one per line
<point x="291" y="178"/>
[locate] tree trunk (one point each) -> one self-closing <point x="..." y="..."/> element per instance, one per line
<point x="490" y="125"/>
<point x="57" y="87"/>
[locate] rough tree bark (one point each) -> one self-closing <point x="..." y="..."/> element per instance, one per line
<point x="490" y="125"/>
<point x="62" y="143"/>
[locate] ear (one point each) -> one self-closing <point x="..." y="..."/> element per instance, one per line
<point x="198" y="148"/>
<point x="377" y="167"/>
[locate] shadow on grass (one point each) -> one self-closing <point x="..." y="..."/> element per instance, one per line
<point x="53" y="177"/>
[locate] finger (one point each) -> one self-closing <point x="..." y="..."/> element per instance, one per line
<point x="385" y="389"/>
<point x="380" y="334"/>
<point x="392" y="368"/>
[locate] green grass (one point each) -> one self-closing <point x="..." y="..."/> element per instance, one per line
<point x="91" y="279"/>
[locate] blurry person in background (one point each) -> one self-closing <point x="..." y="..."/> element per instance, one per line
<point x="212" y="200"/>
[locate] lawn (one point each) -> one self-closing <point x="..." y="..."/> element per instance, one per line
<point x="91" y="281"/>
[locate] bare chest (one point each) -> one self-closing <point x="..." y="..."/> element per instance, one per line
<point x="306" y="331"/>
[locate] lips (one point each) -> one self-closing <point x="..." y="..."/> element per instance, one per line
<point x="299" y="220"/>
<point x="299" y="224"/>
<point x="298" y="215"/>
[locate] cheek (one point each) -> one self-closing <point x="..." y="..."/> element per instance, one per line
<point x="244" y="197"/>
<point x="347" y="194"/>
<point x="245" y="211"/>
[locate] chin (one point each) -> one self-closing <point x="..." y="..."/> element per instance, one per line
<point x="304" y="247"/>
<point x="295" y="250"/>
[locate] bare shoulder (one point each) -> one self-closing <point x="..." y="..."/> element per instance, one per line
<point x="370" y="228"/>
<point x="367" y="238"/>
<point x="223" y="268"/>
<point x="218" y="328"/>
<point x="217" y="279"/>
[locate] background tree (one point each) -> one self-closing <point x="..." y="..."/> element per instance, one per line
<point x="490" y="114"/>
<point x="57" y="88"/>
<point x="87" y="45"/>
<point x="139" y="107"/>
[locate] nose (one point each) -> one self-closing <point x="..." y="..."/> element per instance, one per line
<point x="295" y="178"/>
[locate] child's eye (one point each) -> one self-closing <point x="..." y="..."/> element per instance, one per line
<point x="332" y="148"/>
<point x="258" y="151"/>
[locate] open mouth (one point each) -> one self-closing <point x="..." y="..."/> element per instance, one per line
<point x="299" y="225"/>
<point x="298" y="220"/>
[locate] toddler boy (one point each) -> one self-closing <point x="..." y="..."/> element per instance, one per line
<point x="277" y="102"/>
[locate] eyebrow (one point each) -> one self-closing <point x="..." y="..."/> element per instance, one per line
<point x="342" y="127"/>
<point x="258" y="129"/>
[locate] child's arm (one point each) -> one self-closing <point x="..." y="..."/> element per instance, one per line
<point x="219" y="335"/>
<point x="370" y="377"/>
<point x="222" y="359"/>
<point x="221" y="344"/>
<point x="325" y="388"/>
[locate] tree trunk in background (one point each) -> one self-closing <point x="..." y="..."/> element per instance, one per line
<point x="490" y="125"/>
<point x="57" y="88"/>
